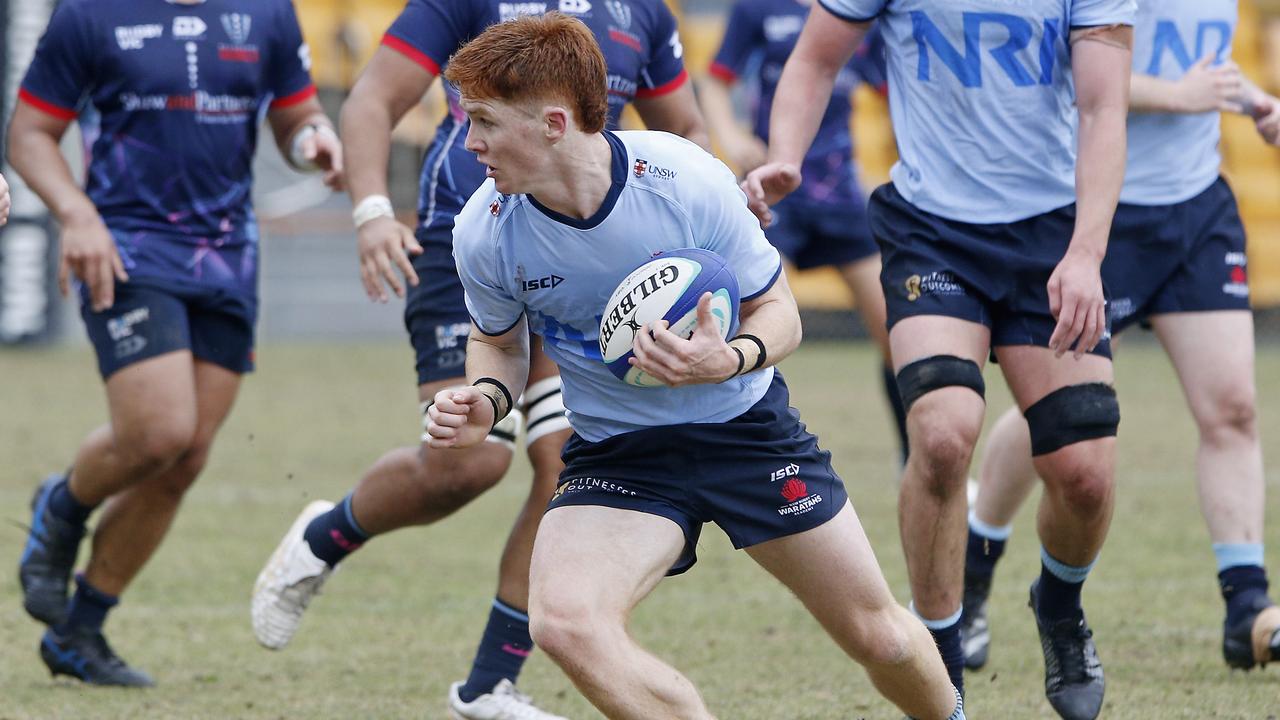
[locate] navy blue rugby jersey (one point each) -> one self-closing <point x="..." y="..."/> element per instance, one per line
<point x="170" y="97"/>
<point x="758" y="39"/>
<point x="642" y="52"/>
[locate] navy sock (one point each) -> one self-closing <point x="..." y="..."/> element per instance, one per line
<point x="948" y="641"/>
<point x="1240" y="585"/>
<point x="88" y="608"/>
<point x="503" y="649"/>
<point x="982" y="554"/>
<point x="895" y="403"/>
<point x="335" y="534"/>
<point x="1057" y="599"/>
<point x="65" y="506"/>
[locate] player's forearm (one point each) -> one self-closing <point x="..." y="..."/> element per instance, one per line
<point x="804" y="90"/>
<point x="504" y="358"/>
<point x="35" y="155"/>
<point x="1099" y="176"/>
<point x="717" y="107"/>
<point x="774" y="320"/>
<point x="366" y="137"/>
<point x="1148" y="93"/>
<point x="803" y="94"/>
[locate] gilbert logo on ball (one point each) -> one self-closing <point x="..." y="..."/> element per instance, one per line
<point x="665" y="288"/>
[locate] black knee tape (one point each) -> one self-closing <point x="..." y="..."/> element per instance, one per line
<point x="935" y="372"/>
<point x="1073" y="414"/>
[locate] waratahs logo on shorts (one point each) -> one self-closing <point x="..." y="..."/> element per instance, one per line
<point x="794" y="489"/>
<point x="939" y="282"/>
<point x="799" y="501"/>
<point x="237" y="26"/>
<point x="1237" y="283"/>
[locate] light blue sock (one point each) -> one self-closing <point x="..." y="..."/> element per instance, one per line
<point x="1231" y="555"/>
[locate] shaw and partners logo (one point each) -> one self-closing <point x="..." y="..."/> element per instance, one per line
<point x="210" y="108"/>
<point x="622" y="312"/>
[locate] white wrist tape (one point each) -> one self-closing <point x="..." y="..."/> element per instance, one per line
<point x="371" y="208"/>
<point x="296" y="158"/>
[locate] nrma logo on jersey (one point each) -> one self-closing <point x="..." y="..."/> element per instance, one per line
<point x="1006" y="39"/>
<point x="1215" y="34"/>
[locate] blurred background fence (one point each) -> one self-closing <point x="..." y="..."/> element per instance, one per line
<point x="310" y="282"/>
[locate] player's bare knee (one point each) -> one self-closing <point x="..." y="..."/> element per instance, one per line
<point x="1079" y="477"/>
<point x="567" y="631"/>
<point x="883" y="639"/>
<point x="160" y="445"/>
<point x="1232" y="415"/>
<point x="453" y="478"/>
<point x="944" y="425"/>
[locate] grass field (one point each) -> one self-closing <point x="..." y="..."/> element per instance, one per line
<point x="399" y="623"/>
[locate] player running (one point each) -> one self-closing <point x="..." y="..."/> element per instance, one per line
<point x="646" y="467"/>
<point x="984" y="250"/>
<point x="163" y="245"/>
<point x="415" y="485"/>
<point x="1176" y="261"/>
<point x="824" y="223"/>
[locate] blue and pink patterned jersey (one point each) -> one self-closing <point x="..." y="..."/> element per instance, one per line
<point x="642" y="53"/>
<point x="758" y="39"/>
<point x="171" y="97"/>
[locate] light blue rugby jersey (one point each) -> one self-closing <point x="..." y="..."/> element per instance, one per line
<point x="982" y="100"/>
<point x="1174" y="156"/>
<point x="517" y="257"/>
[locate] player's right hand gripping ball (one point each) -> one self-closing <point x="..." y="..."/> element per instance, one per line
<point x="665" y="288"/>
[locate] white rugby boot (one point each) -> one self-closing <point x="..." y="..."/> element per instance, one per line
<point x="287" y="583"/>
<point x="504" y="702"/>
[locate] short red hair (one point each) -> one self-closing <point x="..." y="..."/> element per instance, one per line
<point x="537" y="56"/>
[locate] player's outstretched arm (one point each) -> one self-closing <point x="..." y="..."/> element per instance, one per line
<point x="768" y="331"/>
<point x="389" y="86"/>
<point x="4" y="200"/>
<point x="87" y="248"/>
<point x="741" y="147"/>
<point x="497" y="366"/>
<point x="804" y="90"/>
<point x="1100" y="61"/>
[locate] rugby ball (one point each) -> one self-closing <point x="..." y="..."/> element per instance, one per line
<point x="665" y="288"/>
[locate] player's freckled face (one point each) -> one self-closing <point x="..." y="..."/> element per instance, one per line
<point x="504" y="137"/>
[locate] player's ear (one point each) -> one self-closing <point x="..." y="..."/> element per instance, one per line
<point x="556" y="122"/>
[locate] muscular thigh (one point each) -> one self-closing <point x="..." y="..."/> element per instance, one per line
<point x="590" y="558"/>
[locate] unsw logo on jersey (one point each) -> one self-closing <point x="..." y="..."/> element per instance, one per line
<point x="643" y="167"/>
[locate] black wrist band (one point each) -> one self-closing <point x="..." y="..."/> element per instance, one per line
<point x="742" y="363"/>
<point x="498" y="413"/>
<point x="759" y="344"/>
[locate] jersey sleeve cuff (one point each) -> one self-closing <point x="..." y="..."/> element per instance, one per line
<point x="843" y="15"/>
<point x="776" y="274"/>
<point x="722" y="72"/>
<point x="663" y="89"/>
<point x="411" y="52"/>
<point x="482" y="329"/>
<point x="302" y="95"/>
<point x="45" y="106"/>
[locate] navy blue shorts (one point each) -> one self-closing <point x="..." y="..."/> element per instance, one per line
<point x="995" y="274"/>
<point x="813" y="234"/>
<point x="1187" y="257"/>
<point x="151" y="317"/>
<point x="435" y="313"/>
<point x="759" y="476"/>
